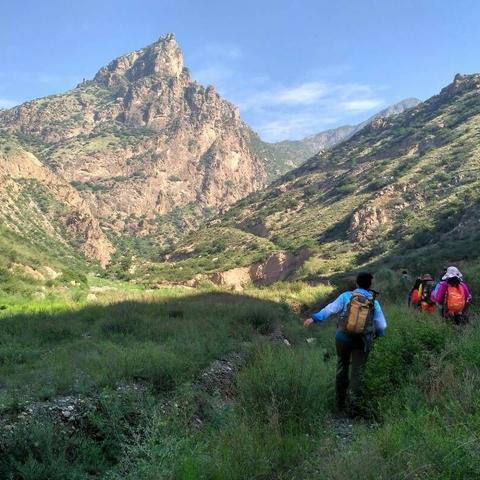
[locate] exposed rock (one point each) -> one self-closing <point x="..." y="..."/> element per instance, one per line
<point x="217" y="379"/>
<point x="19" y="167"/>
<point x="50" y="273"/>
<point x="236" y="278"/>
<point x="26" y="271"/>
<point x="378" y="123"/>
<point x="277" y="267"/>
<point x="460" y="84"/>
<point x="163" y="58"/>
<point x="365" y="223"/>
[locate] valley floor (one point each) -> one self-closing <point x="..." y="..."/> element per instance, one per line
<point x="192" y="384"/>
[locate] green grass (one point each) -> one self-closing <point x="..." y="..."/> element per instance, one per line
<point x="274" y="420"/>
<point x="159" y="341"/>
<point x="420" y="382"/>
<point x="154" y="340"/>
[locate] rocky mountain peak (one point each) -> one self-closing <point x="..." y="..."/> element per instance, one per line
<point x="461" y="83"/>
<point x="162" y="59"/>
<point x="143" y="141"/>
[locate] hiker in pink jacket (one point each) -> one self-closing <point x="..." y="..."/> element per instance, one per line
<point x="452" y="281"/>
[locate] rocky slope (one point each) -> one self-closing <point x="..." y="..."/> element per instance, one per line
<point x="141" y="153"/>
<point x="42" y="207"/>
<point x="402" y="190"/>
<point x="281" y="157"/>
<point x="140" y="140"/>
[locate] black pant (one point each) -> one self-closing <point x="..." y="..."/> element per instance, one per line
<point x="350" y="353"/>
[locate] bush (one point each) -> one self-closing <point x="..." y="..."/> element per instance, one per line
<point x="412" y="339"/>
<point x="262" y="318"/>
<point x="285" y="388"/>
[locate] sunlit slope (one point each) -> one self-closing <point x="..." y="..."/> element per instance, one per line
<point x="401" y="189"/>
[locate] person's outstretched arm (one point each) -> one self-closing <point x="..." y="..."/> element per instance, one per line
<point x="332" y="308"/>
<point x="439" y="293"/>
<point x="468" y="293"/>
<point x="379" y="320"/>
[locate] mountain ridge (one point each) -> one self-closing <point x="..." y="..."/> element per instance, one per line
<point x="401" y="185"/>
<point x="280" y="157"/>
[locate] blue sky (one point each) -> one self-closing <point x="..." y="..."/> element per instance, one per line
<point x="293" y="67"/>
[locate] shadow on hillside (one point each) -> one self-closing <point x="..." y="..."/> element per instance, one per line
<point x="154" y="319"/>
<point x="160" y="342"/>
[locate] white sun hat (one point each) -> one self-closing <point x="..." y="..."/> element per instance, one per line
<point x="452" y="272"/>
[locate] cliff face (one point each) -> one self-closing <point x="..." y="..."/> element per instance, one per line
<point x="140" y="140"/>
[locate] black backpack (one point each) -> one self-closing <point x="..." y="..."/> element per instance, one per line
<point x="427" y="288"/>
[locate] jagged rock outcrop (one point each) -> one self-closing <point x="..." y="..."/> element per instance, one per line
<point x="140" y="140"/>
<point x="366" y="222"/>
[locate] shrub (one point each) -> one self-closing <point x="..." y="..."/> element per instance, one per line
<point x="286" y="388"/>
<point x="412" y="338"/>
<point x="262" y="318"/>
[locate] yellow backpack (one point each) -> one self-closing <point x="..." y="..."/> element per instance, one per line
<point x="359" y="316"/>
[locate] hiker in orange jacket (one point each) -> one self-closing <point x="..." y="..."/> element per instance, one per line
<point x="426" y="304"/>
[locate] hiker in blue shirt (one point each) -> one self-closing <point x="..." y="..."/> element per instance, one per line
<point x="361" y="320"/>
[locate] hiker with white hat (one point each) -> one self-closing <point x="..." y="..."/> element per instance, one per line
<point x="453" y="296"/>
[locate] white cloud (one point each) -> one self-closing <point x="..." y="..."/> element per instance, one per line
<point x="362" y="105"/>
<point x="7" y="103"/>
<point x="294" y="125"/>
<point x="351" y="97"/>
<point x="302" y="94"/>
<point x="280" y="111"/>
<point x="306" y="93"/>
<point x="295" y="111"/>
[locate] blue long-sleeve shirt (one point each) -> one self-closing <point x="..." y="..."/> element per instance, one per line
<point x="340" y="305"/>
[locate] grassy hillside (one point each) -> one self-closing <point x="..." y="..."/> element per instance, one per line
<point x="402" y="191"/>
<point x="36" y="248"/>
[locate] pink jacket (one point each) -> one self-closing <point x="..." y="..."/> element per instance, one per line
<point x="438" y="295"/>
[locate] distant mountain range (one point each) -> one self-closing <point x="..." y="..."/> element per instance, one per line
<point x="133" y="160"/>
<point x="280" y="157"/>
